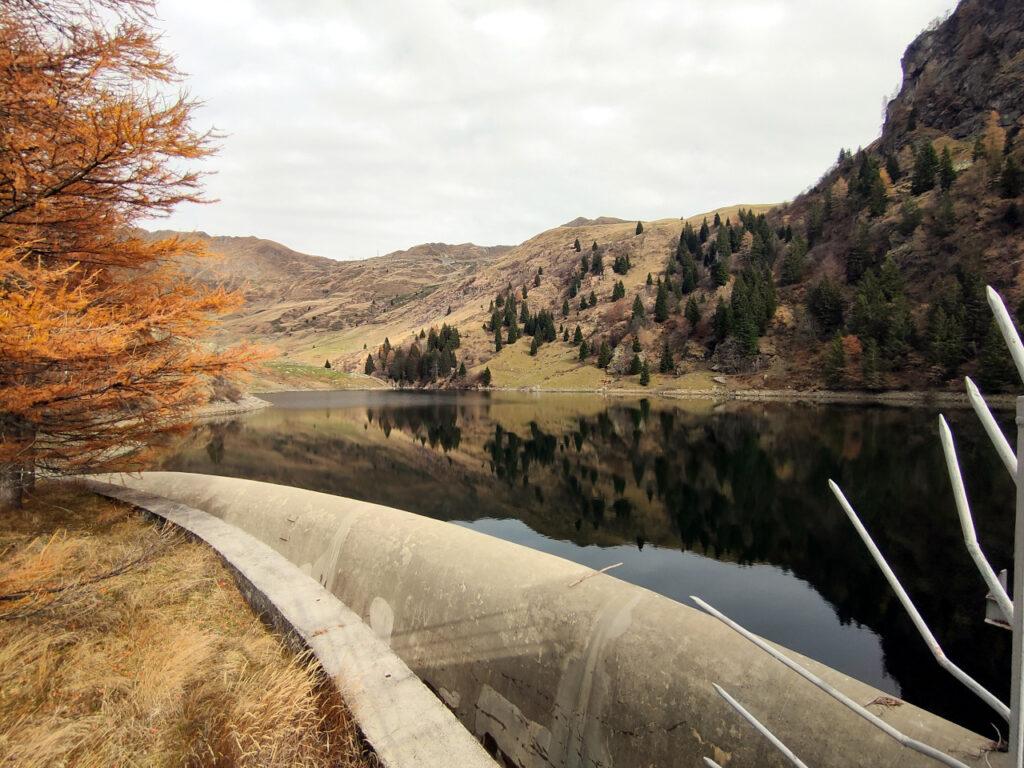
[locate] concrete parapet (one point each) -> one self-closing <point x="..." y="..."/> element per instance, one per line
<point x="404" y="722"/>
<point x="551" y="670"/>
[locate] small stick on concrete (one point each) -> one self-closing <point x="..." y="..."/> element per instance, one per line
<point x="594" y="573"/>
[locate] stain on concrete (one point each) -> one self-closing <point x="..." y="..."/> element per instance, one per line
<point x="522" y="741"/>
<point x="382" y="619"/>
<point x="584" y="690"/>
<point x="450" y="698"/>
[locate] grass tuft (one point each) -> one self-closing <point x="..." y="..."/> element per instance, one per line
<point x="121" y="644"/>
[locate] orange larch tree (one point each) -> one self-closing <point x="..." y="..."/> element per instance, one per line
<point x="101" y="351"/>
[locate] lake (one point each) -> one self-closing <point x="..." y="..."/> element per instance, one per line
<point x="726" y="501"/>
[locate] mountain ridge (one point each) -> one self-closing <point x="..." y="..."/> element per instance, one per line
<point x="871" y="279"/>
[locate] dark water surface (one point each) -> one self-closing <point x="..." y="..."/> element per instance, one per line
<point x="728" y="502"/>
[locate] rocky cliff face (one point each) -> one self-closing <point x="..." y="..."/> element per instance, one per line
<point x="961" y="70"/>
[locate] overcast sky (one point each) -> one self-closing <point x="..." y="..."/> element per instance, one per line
<point x="361" y="127"/>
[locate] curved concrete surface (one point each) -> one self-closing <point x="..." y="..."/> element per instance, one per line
<point x="405" y="723"/>
<point x="550" y="671"/>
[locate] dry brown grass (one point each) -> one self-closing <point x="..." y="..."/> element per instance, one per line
<point x="125" y="645"/>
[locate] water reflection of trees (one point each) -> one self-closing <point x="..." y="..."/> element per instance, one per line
<point x="741" y="484"/>
<point x="436" y="425"/>
<point x="750" y="487"/>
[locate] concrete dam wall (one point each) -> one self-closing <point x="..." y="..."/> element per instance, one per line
<point x="548" y="670"/>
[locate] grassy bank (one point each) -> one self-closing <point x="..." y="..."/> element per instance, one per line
<point x="282" y="376"/>
<point x="124" y="644"/>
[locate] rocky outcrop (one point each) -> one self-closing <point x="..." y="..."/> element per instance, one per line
<point x="959" y="71"/>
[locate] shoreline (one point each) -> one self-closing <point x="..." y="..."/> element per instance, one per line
<point x="899" y="398"/>
<point x="215" y="409"/>
<point x="891" y="397"/>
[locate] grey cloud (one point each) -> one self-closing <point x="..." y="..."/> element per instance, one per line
<point x="364" y="127"/>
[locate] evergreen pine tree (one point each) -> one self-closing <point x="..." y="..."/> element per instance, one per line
<point x="720" y="271"/>
<point x="584" y="264"/>
<point x="604" y="356"/>
<point x="462" y="369"/>
<point x="661" y="304"/>
<point x="369" y="368"/>
<point x="704" y="231"/>
<point x="688" y="240"/>
<point x="744" y="316"/>
<point x="688" y="281"/>
<point x="878" y="198"/>
<point x="536" y="280"/>
<point x="638" y="309"/>
<point x="534" y="345"/>
<point x="584" y="350"/>
<point x="1013" y="216"/>
<point x="944" y="216"/>
<point x="645" y="374"/>
<point x="859" y="258"/>
<point x="1011" y="178"/>
<point x="795" y="262"/>
<point x="946" y="332"/>
<point x="485" y="377"/>
<point x="565" y="308"/>
<point x="650" y="280"/>
<point x="666" y="364"/>
<point x="565" y="334"/>
<point x="718" y="220"/>
<point x="635" y="365"/>
<point x="639" y="228"/>
<point x="723" y="243"/>
<point x="722" y="321"/>
<point x="979" y="151"/>
<point x="835" y="363"/>
<point x="327" y="364"/>
<point x="926" y="163"/>
<point x="692" y="312"/>
<point x="594" y="246"/>
<point x="597" y="263"/>
<point x="576" y="245"/>
<point x="947" y="174"/>
<point x="870" y="365"/>
<point x="577" y="336"/>
<point x="892" y="167"/>
<point x="996" y="372"/>
<point x="910" y="217"/>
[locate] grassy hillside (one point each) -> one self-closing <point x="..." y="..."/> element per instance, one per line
<point x="550" y="253"/>
<point x="872" y="279"/>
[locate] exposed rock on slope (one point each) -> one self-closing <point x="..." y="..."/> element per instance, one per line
<point x="959" y="71"/>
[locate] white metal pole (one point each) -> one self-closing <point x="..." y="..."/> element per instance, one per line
<point x="772" y="738"/>
<point x="1017" y="669"/>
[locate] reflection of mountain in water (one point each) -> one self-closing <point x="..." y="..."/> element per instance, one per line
<point x="739" y="484"/>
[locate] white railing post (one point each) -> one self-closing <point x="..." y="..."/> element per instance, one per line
<point x="1013" y="610"/>
<point x="1016" y="738"/>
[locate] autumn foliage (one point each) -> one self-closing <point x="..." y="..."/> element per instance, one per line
<point x="100" y="337"/>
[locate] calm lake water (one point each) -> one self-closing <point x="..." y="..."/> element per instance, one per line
<point x="724" y="501"/>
